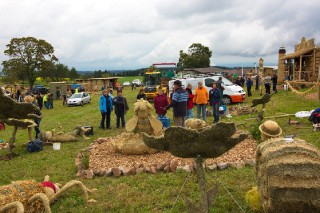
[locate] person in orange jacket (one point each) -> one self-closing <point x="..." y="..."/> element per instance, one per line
<point x="201" y="98"/>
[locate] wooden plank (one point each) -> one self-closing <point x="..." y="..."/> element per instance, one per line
<point x="300" y="67"/>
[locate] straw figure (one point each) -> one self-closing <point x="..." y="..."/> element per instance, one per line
<point x="143" y="120"/>
<point x="131" y="142"/>
<point x="195" y="123"/>
<point x="288" y="176"/>
<point x="75" y="135"/>
<point x="17" y="114"/>
<point x="31" y="196"/>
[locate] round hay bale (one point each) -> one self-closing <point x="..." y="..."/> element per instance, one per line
<point x="288" y="176"/>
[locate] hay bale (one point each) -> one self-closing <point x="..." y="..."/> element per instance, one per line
<point x="288" y="176"/>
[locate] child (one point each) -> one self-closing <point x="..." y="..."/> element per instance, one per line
<point x="120" y="108"/>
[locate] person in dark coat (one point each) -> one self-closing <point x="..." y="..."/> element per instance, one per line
<point x="179" y="103"/>
<point x="214" y="100"/>
<point x="274" y="80"/>
<point x="249" y="84"/>
<point x="120" y="108"/>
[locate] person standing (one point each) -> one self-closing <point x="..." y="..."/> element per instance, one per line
<point x="249" y="84"/>
<point x="76" y="90"/>
<point x="30" y="99"/>
<point x="141" y="95"/>
<point x="215" y="99"/>
<point x="220" y="86"/>
<point x="178" y="103"/>
<point x="267" y="83"/>
<point x="39" y="100"/>
<point x="257" y="82"/>
<point x="190" y="113"/>
<point x="201" y="98"/>
<point x="45" y="100"/>
<point x="120" y="108"/>
<point x="160" y="101"/>
<point x="105" y="109"/>
<point x="274" y="83"/>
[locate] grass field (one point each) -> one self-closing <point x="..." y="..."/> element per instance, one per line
<point x="143" y="192"/>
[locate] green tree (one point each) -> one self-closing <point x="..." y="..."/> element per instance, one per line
<point x="55" y="72"/>
<point x="28" y="56"/>
<point x="73" y="74"/>
<point x="198" y="56"/>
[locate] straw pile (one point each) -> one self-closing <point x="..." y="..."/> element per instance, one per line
<point x="288" y="176"/>
<point x="21" y="191"/>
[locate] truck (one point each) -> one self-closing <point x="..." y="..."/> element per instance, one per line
<point x="158" y="76"/>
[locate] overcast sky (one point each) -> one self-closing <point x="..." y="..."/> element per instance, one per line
<point x="128" y="34"/>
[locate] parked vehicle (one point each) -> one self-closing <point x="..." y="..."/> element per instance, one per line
<point x="126" y="83"/>
<point x="79" y="99"/>
<point x="40" y="90"/>
<point x="137" y="82"/>
<point x="158" y="76"/>
<point x="231" y="94"/>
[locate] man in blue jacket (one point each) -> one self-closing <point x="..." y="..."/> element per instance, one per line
<point x="105" y="108"/>
<point x="179" y="103"/>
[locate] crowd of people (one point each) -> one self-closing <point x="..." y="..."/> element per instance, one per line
<point x="181" y="100"/>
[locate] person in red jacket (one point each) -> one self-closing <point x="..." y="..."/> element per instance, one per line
<point x="190" y="102"/>
<point x="160" y="101"/>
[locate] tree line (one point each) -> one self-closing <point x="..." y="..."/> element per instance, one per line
<point x="30" y="58"/>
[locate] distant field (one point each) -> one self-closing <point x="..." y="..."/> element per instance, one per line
<point x="129" y="78"/>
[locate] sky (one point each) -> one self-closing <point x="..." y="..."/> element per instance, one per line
<point x="128" y="34"/>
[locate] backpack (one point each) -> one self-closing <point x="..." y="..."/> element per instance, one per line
<point x="35" y="145"/>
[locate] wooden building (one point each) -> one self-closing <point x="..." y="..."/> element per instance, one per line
<point x="96" y="84"/>
<point x="301" y="65"/>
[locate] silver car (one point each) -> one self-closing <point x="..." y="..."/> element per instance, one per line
<point x="79" y="99"/>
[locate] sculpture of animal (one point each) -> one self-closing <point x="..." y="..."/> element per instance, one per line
<point x="195" y="123"/>
<point x="265" y="99"/>
<point x="208" y="142"/>
<point x="143" y="120"/>
<point x="31" y="196"/>
<point x="74" y="135"/>
<point x="9" y="108"/>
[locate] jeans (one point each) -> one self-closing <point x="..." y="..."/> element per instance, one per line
<point x="105" y="116"/>
<point x="179" y="121"/>
<point x="249" y="91"/>
<point x="189" y="114"/>
<point x="274" y="88"/>
<point x="37" y="128"/>
<point x="120" y="116"/>
<point x="201" y="108"/>
<point x="267" y="86"/>
<point x="215" y="112"/>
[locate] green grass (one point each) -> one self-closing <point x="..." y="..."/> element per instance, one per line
<point x="143" y="192"/>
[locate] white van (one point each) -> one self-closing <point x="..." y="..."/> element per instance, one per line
<point x="231" y="94"/>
